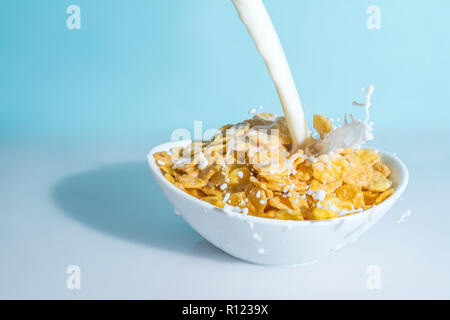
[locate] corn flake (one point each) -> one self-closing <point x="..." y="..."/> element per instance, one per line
<point x="322" y="125"/>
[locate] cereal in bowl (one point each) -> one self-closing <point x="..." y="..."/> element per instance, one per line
<point x="250" y="168"/>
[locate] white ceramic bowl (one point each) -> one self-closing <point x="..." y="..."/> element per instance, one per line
<point x="271" y="241"/>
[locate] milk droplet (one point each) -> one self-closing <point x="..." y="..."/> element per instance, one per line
<point x="257" y="237"/>
<point x="321" y="195"/>
<point x="405" y="214"/>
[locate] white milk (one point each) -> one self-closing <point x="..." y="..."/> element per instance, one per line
<point x="352" y="134"/>
<point x="255" y="17"/>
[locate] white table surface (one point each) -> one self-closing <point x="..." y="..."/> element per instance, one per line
<point x="95" y="205"/>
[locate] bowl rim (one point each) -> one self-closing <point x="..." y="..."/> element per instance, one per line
<point x="400" y="166"/>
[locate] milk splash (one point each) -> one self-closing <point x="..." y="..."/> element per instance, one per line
<point x="353" y="133"/>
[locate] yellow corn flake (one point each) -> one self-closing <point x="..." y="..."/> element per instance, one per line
<point x="170" y="178"/>
<point x="345" y="151"/>
<point x="299" y="202"/>
<point x="291" y="200"/>
<point x="209" y="171"/>
<point x="163" y="159"/>
<point x="323" y="172"/>
<point x="329" y="188"/>
<point x="269" y="213"/>
<point x="257" y="199"/>
<point x="370" y="197"/>
<point x="358" y="201"/>
<point x="195" y="192"/>
<point x="304" y="171"/>
<point x="379" y="183"/>
<point x="237" y="199"/>
<point x="239" y="176"/>
<point x="347" y="192"/>
<point x="351" y="193"/>
<point x="211" y="190"/>
<point x="322" y="125"/>
<point x="274" y="178"/>
<point x="383" y="196"/>
<point x="268" y="186"/>
<point x="264" y="185"/>
<point x="189" y="181"/>
<point x="179" y="185"/>
<point x="190" y="169"/>
<point x="287" y="214"/>
<point x="322" y="214"/>
<point x="298" y="186"/>
<point x="168" y="170"/>
<point x="357" y="172"/>
<point x="297" y="158"/>
<point x="368" y="155"/>
<point x="381" y="167"/>
<point x="219" y="177"/>
<point x="326" y="209"/>
<point x="280" y="203"/>
<point x="327" y="169"/>
<point x="215" y="201"/>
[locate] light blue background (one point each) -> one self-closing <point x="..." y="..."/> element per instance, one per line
<point x="143" y="68"/>
<point x="79" y="110"/>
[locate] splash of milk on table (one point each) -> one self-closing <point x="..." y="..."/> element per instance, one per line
<point x="255" y="17"/>
<point x="405" y="214"/>
<point x="353" y="133"/>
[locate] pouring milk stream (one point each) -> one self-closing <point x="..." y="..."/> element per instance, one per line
<point x="255" y="17"/>
<point x="352" y="134"/>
